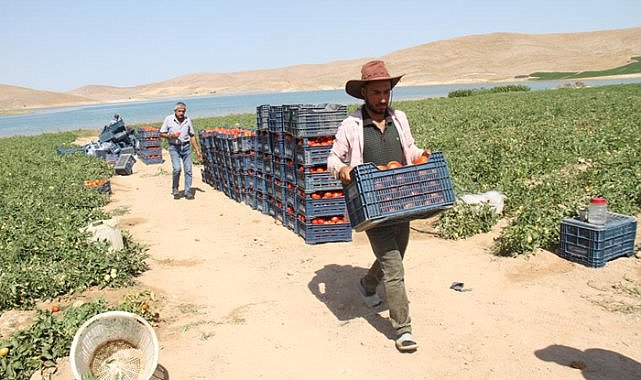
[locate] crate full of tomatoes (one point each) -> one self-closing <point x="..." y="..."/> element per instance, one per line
<point x="331" y="228"/>
<point x="395" y="193"/>
<point x="103" y="186"/>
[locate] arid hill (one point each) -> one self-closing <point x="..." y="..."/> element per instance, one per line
<point x="478" y="58"/>
<point x="14" y="98"/>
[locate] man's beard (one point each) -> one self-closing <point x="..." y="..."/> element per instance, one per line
<point x="373" y="108"/>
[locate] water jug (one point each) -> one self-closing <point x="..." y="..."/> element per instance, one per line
<point x="598" y="211"/>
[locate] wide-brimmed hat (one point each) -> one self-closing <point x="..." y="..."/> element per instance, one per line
<point x="370" y="72"/>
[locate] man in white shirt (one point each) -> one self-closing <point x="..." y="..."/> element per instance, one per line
<point x="180" y="135"/>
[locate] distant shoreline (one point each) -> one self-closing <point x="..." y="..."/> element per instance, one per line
<point x="34" y="109"/>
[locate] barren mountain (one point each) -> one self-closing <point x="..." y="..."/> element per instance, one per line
<point x="14" y="98"/>
<point x="478" y="58"/>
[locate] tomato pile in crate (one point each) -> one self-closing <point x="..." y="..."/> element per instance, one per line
<point x="102" y="186"/>
<point x="282" y="171"/>
<point x="380" y="196"/>
<point x="149" y="147"/>
<point x="594" y="245"/>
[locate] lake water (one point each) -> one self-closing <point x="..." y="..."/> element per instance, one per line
<point x="96" y="116"/>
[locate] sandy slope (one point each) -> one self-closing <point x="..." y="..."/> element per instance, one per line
<point x="244" y="298"/>
<point x="478" y="58"/>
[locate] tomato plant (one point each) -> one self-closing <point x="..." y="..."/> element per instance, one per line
<point x="44" y="204"/>
<point x="548" y="151"/>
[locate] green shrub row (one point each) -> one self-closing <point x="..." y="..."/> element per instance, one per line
<point x="481" y="91"/>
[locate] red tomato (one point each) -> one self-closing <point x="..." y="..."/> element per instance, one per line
<point x="420" y="160"/>
<point x="55" y="309"/>
<point x="394" y="165"/>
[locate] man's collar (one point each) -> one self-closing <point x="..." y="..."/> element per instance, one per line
<point x="367" y="120"/>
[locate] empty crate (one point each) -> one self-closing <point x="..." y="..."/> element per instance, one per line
<point x="594" y="245"/>
<point x="125" y="164"/>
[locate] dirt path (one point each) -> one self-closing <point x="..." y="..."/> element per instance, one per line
<point x="245" y="298"/>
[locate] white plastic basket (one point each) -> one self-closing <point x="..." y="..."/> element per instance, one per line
<point x="113" y="326"/>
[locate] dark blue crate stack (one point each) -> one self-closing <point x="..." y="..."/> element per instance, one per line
<point x="321" y="214"/>
<point x="262" y="160"/>
<point x="228" y="161"/>
<point x="594" y="245"/>
<point x="149" y="147"/>
<point x="276" y="163"/>
<point x="210" y="171"/>
<point x="380" y="197"/>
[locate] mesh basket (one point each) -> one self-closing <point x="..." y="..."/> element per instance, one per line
<point x="114" y="345"/>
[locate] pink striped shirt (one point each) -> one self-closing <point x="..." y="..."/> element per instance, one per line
<point x="348" y="146"/>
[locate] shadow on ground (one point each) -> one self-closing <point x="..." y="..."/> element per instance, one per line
<point x="335" y="286"/>
<point x="594" y="363"/>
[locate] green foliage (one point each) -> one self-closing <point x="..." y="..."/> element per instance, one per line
<point x="44" y="205"/>
<point x="465" y="220"/>
<point x="245" y="120"/>
<point x="50" y="336"/>
<point x="482" y="91"/>
<point x="630" y="68"/>
<point x="548" y="151"/>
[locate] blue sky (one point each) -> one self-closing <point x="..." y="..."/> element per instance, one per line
<point x="65" y="44"/>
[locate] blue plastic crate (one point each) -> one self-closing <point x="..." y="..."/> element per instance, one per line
<point x="249" y="162"/>
<point x="147" y="132"/>
<point x="291" y="222"/>
<point x="248" y="198"/>
<point x="313" y="155"/>
<point x="594" y="245"/>
<point x="260" y="184"/>
<point x="262" y="117"/>
<point x="246" y="143"/>
<point x="150" y="152"/>
<point x="276" y="211"/>
<point x="263" y="142"/>
<point x="280" y="169"/>
<point x="149" y="143"/>
<point x="276" y="119"/>
<point x="324" y="233"/>
<point x="312" y="208"/>
<point x="277" y="141"/>
<point x="152" y="161"/>
<point x="279" y="192"/>
<point x="314" y="120"/>
<point x="379" y="197"/>
<point x="290" y="195"/>
<point x="125" y="164"/>
<point x="312" y="182"/>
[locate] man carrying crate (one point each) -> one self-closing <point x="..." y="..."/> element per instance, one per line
<point x="377" y="133"/>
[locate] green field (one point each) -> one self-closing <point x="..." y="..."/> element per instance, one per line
<point x="630" y="68"/>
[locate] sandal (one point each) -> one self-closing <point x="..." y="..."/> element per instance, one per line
<point x="405" y="343"/>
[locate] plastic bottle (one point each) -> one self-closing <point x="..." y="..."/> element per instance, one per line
<point x="598" y="211"/>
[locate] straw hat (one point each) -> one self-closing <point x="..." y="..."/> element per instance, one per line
<point x="371" y="71"/>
